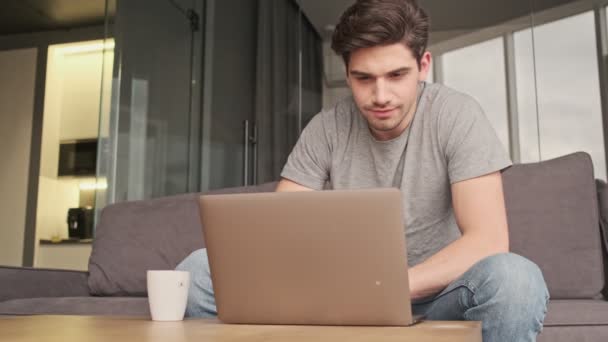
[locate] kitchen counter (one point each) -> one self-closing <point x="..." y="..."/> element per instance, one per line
<point x="65" y="241"/>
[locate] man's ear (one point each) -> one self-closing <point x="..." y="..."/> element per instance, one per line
<point x="425" y="65"/>
<point x="347" y="75"/>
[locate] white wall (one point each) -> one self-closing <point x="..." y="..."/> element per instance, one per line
<point x="81" y="73"/>
<point x="18" y="70"/>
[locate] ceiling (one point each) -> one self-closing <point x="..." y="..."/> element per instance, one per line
<point x="445" y="15"/>
<point x="24" y="16"/>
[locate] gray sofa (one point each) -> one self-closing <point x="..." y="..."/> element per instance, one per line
<point x="555" y="209"/>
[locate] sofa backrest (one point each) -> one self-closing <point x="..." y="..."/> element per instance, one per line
<point x="552" y="209"/>
<point x="157" y="234"/>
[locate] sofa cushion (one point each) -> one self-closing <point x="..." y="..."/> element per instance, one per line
<point x="133" y="237"/>
<point x="566" y="333"/>
<point x="553" y="219"/>
<point x="91" y="306"/>
<point x="27" y="282"/>
<point x="577" y="312"/>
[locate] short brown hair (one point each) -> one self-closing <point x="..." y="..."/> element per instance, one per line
<point x="369" y="23"/>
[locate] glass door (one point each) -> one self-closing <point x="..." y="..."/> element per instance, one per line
<point x="149" y="130"/>
<point x="262" y="84"/>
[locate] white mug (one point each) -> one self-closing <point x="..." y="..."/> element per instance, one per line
<point x="168" y="294"/>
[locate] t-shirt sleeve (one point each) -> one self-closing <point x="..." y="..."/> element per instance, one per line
<point x="469" y="141"/>
<point x="309" y="162"/>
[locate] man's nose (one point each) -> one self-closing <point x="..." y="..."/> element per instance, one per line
<point x="381" y="94"/>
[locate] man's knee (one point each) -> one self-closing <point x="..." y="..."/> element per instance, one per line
<point x="510" y="275"/>
<point x="513" y="284"/>
<point x="196" y="262"/>
<point x="201" y="301"/>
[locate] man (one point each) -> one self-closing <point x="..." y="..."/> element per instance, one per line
<point x="434" y="144"/>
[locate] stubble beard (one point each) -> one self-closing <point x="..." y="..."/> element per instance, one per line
<point x="389" y="124"/>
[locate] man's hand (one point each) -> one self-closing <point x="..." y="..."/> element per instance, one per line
<point x="287" y="185"/>
<point x="480" y="212"/>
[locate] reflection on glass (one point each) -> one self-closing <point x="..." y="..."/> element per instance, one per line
<point x="209" y="95"/>
<point x="479" y="70"/>
<point x="266" y="59"/>
<point x="144" y="131"/>
<point x="569" y="110"/>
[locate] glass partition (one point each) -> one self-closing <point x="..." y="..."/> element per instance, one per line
<point x="262" y="84"/>
<point x="148" y="112"/>
<point x="204" y="94"/>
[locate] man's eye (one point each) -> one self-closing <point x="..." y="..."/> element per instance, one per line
<point x="397" y="75"/>
<point x="363" y="78"/>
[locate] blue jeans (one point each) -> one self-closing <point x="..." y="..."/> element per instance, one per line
<point x="506" y="292"/>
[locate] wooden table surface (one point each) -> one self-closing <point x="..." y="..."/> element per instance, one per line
<point x="117" y="329"/>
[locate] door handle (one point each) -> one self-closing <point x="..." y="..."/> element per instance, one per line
<point x="246" y="153"/>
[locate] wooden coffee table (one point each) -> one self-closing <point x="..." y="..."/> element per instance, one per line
<point x="117" y="329"/>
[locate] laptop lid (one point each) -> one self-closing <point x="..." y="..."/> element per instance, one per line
<point x="318" y="257"/>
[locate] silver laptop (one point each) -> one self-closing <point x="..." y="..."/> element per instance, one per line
<point x="314" y="258"/>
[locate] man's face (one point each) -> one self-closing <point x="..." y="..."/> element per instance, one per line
<point x="384" y="81"/>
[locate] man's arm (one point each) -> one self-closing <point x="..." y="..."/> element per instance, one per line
<point x="287" y="185"/>
<point x="480" y="212"/>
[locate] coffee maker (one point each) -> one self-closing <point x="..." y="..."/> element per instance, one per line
<point x="80" y="223"/>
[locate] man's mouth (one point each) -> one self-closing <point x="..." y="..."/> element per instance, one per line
<point x="381" y="113"/>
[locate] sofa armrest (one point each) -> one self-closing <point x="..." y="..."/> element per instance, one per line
<point x="25" y="282"/>
<point x="602" y="195"/>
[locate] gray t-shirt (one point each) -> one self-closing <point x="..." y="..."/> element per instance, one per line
<point x="451" y="140"/>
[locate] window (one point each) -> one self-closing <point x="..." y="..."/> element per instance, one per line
<point x="568" y="116"/>
<point x="479" y="70"/>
